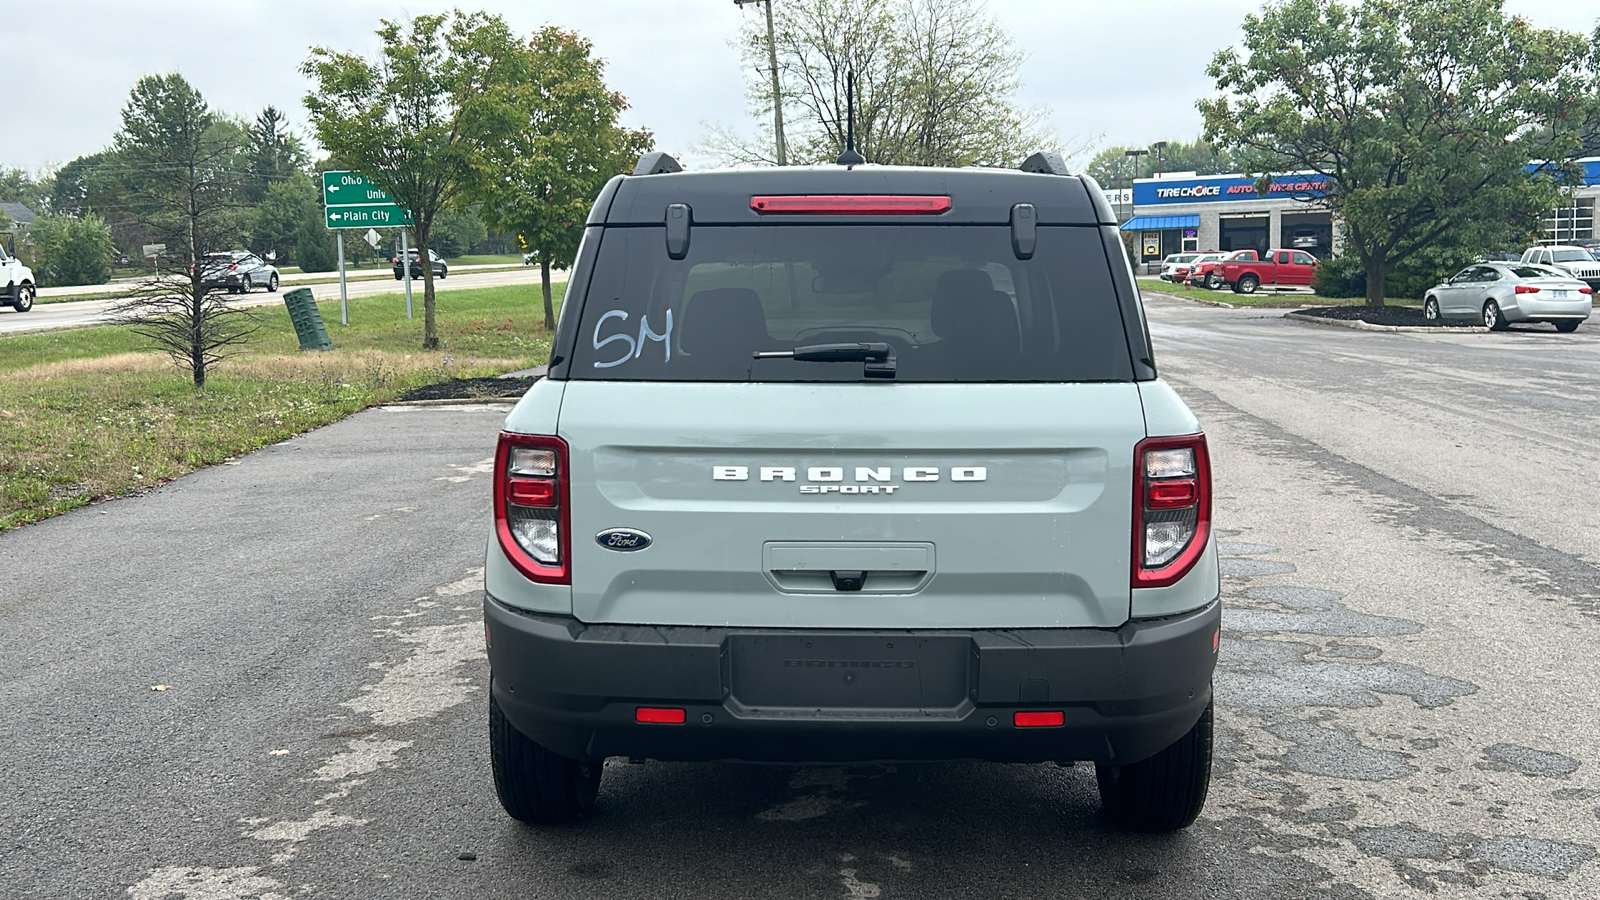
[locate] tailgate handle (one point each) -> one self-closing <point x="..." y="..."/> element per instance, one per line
<point x="848" y="579"/>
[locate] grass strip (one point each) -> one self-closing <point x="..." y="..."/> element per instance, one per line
<point x="88" y="414"/>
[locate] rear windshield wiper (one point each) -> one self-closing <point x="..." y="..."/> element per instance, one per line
<point x="878" y="356"/>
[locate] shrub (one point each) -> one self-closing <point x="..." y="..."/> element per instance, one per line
<point x="68" y="250"/>
<point x="1340" y="276"/>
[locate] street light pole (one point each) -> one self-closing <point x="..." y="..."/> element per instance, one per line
<point x="777" y="91"/>
<point x="1158" y="146"/>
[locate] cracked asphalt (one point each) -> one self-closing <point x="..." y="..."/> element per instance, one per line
<point x="266" y="680"/>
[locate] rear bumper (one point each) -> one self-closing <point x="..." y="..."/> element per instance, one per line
<point x="851" y="696"/>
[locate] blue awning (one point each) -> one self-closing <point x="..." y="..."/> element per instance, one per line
<point x="1160" y="223"/>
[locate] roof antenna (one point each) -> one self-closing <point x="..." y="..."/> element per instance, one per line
<point x="850" y="157"/>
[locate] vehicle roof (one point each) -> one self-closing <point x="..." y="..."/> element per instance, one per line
<point x="1556" y="247"/>
<point x="977" y="195"/>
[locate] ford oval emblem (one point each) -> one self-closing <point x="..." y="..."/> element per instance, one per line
<point x="623" y="539"/>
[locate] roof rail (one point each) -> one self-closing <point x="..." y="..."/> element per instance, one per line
<point x="1043" y="163"/>
<point x="657" y="163"/>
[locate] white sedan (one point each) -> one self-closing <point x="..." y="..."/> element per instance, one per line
<point x="1500" y="293"/>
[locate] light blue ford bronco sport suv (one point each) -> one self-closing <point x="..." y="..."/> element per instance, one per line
<point x="852" y="463"/>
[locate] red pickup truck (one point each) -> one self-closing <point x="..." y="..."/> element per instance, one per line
<point x="1209" y="274"/>
<point x="1283" y="268"/>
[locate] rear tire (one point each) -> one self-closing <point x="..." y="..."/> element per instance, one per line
<point x="536" y="785"/>
<point x="1165" y="792"/>
<point x="1567" y="327"/>
<point x="1493" y="318"/>
<point x="272" y="284"/>
<point x="1248" y="284"/>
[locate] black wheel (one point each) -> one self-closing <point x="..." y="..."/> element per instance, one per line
<point x="1493" y="319"/>
<point x="443" y="271"/>
<point x="1214" y="282"/>
<point x="1567" y="327"/>
<point x="1248" y="284"/>
<point x="272" y="283"/>
<point x="244" y="285"/>
<point x="536" y="785"/>
<point x="24" y="298"/>
<point x="399" y="277"/>
<point x="1430" y="310"/>
<point x="1165" y="792"/>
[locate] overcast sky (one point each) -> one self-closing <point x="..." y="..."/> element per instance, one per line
<point x="1125" y="72"/>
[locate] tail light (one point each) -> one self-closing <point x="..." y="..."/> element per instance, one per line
<point x="1586" y="290"/>
<point x="233" y="268"/>
<point x="851" y="205"/>
<point x="1171" y="508"/>
<point x="532" y="514"/>
<point x="1526" y="289"/>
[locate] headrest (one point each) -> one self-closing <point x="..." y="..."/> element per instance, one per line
<point x="723" y="321"/>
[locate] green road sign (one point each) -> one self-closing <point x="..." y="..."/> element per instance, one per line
<point x="352" y="202"/>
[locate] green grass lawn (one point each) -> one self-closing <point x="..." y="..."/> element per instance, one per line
<point x="92" y="413"/>
<point x="487" y="259"/>
<point x="1264" y="298"/>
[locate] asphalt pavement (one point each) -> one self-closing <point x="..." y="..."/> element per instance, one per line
<point x="266" y="680"/>
<point x="68" y="314"/>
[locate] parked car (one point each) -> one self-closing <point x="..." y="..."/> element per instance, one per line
<point x="440" y="270"/>
<point x="1579" y="262"/>
<point x="239" y="271"/>
<point x="785" y="496"/>
<point x="1209" y="274"/>
<point x="1499" y="294"/>
<point x="1180" y="272"/>
<point x="17" y="287"/>
<point x="1171" y="263"/>
<point x="1279" y="268"/>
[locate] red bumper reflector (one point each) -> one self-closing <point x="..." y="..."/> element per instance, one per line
<point x="531" y="491"/>
<point x="1054" y="719"/>
<point x="659" y="716"/>
<point x="850" y="205"/>
<point x="1178" y="494"/>
<point x="1216" y="640"/>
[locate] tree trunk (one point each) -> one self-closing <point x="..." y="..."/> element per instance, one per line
<point x="1375" y="278"/>
<point x="544" y="278"/>
<point x="430" y="323"/>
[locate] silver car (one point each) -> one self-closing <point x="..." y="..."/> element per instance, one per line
<point x="1500" y="293"/>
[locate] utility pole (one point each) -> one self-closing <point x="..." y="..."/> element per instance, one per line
<point x="1158" y="146"/>
<point x="777" y="91"/>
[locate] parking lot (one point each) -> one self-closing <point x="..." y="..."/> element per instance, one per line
<point x="286" y="696"/>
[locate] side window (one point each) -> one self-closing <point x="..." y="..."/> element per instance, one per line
<point x="1283" y="257"/>
<point x="1304" y="259"/>
<point x="1545" y="257"/>
<point x="1490" y="273"/>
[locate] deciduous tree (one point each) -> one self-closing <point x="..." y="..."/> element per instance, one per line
<point x="935" y="85"/>
<point x="565" y="149"/>
<point x="1421" y="116"/>
<point x="421" y="118"/>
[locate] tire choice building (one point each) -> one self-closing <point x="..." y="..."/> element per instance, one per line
<point x="1573" y="221"/>
<point x="1183" y="211"/>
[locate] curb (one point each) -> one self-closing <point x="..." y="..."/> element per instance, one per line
<point x="455" y="401"/>
<point x="1367" y="326"/>
<point x="1192" y="299"/>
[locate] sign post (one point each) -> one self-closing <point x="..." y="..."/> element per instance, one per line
<point x="405" y="268"/>
<point x="349" y="200"/>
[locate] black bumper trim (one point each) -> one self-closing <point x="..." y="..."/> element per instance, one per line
<point x="1126" y="693"/>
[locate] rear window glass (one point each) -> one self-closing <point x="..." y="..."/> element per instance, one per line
<point x="1573" y="256"/>
<point x="1536" y="272"/>
<point x="953" y="302"/>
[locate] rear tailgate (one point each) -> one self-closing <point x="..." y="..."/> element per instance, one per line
<point x="966" y="506"/>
